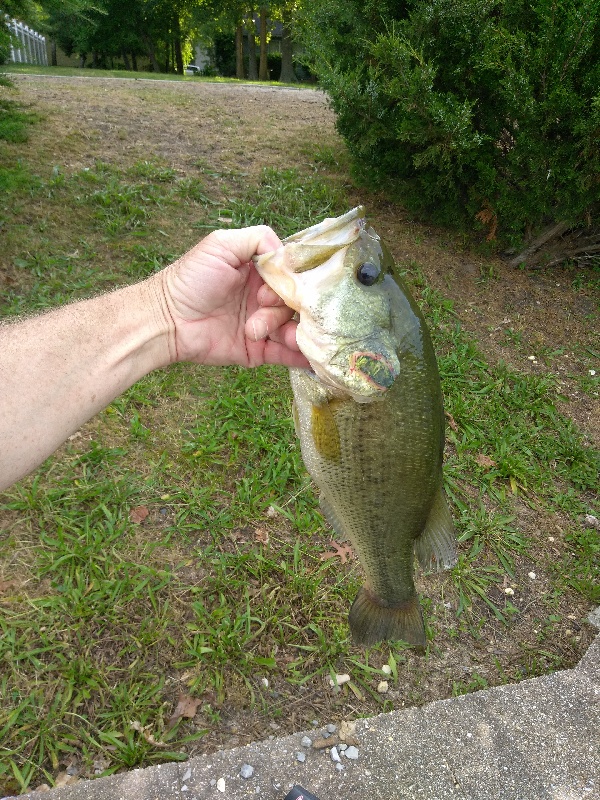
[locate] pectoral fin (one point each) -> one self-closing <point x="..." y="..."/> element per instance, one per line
<point x="325" y="432"/>
<point x="436" y="546"/>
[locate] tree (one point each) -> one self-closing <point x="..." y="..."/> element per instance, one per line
<point x="484" y="110"/>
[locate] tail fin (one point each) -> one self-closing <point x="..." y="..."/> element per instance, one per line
<point x="371" y="621"/>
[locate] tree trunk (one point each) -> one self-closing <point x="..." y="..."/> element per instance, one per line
<point x="177" y="47"/>
<point x="151" y="52"/>
<point x="287" y="67"/>
<point x="134" y="62"/>
<point x="239" y="52"/>
<point x="53" y="53"/>
<point x="250" y="32"/>
<point x="263" y="69"/>
<point x="125" y="58"/>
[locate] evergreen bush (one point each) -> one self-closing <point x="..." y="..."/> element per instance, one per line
<point x="480" y="110"/>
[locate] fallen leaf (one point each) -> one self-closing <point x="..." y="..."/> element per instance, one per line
<point x="137" y="726"/>
<point x="342" y="551"/>
<point x="138" y="514"/>
<point x="64" y="779"/>
<point x="485" y="461"/>
<point x="451" y="421"/>
<point x="261" y="535"/>
<point x="186" y="707"/>
<point x="6" y="585"/>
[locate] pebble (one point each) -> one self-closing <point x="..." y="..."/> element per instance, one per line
<point x="383" y="687"/>
<point x="221" y="785"/>
<point x="246" y="771"/>
<point x="532" y="575"/>
<point x="341" y="679"/>
<point x="186" y="775"/>
<point x="335" y="756"/>
<point x="351" y="752"/>
<point x="509" y="591"/>
<point x="331" y="728"/>
<point x="386" y="669"/>
<point x="306" y="741"/>
<point x="339" y="767"/>
<point x="265" y="682"/>
<point x="342" y="746"/>
<point x="591" y="521"/>
<point x="300" y="756"/>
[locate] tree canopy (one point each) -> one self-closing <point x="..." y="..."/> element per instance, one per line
<point x="482" y="110"/>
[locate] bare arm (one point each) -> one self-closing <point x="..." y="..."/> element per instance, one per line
<point x="59" y="369"/>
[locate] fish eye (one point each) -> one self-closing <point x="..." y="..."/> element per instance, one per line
<point x="367" y="273"/>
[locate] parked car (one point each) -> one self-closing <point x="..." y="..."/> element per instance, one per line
<point x="192" y="69"/>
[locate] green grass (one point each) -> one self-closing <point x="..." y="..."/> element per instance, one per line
<point x="88" y="72"/>
<point x="105" y="620"/>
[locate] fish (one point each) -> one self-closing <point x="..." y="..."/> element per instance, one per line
<point x="369" y="415"/>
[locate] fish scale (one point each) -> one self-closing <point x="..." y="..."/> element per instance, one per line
<point x="369" y="415"/>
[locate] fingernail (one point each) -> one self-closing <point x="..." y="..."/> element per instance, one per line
<point x="260" y="329"/>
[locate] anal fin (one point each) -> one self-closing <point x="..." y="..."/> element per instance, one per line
<point x="372" y="621"/>
<point x="436" y="546"/>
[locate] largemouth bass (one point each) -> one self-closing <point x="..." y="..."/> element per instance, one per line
<point x="369" y="414"/>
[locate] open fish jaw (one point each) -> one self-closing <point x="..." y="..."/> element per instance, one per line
<point x="345" y="327"/>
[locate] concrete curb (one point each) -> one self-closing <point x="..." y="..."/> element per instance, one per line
<point x="536" y="740"/>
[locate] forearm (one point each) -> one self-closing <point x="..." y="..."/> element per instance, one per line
<point x="60" y="369"/>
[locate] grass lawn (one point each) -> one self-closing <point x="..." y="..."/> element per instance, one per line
<point x="173" y="547"/>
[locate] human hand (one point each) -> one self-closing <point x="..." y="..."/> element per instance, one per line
<point x="222" y="312"/>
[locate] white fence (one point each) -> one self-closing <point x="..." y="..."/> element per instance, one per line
<point x="28" y="46"/>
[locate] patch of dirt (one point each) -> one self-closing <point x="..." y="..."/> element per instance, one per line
<point x="513" y="315"/>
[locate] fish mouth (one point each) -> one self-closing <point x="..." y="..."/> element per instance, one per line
<point x="378" y="371"/>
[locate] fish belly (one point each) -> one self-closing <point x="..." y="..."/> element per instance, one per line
<point x="378" y="467"/>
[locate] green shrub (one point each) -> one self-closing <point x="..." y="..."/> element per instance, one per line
<point x="476" y="110"/>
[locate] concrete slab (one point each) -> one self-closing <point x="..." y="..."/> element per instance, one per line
<point x="536" y="740"/>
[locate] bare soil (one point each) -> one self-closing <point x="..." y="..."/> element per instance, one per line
<point x="241" y="128"/>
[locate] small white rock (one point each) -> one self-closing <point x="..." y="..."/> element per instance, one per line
<point x="339" y="767"/>
<point x="342" y="746"/>
<point x="335" y="756"/>
<point x="382" y="687"/>
<point x="247" y="771"/>
<point x="341" y="680"/>
<point x="331" y="728"/>
<point x="509" y="591"/>
<point x="592" y="372"/>
<point x="532" y="575"/>
<point x="187" y="775"/>
<point x="264" y="683"/>
<point x="351" y="752"/>
<point x="221" y="785"/>
<point x="271" y="512"/>
<point x="306" y="741"/>
<point x="184" y="788"/>
<point x="386" y="669"/>
<point x="591" y="521"/>
<point x="300" y="756"/>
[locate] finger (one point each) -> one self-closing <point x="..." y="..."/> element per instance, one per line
<point x="268" y="297"/>
<point x="277" y="353"/>
<point x="266" y="321"/>
<point x="245" y="242"/>
<point x="286" y="335"/>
